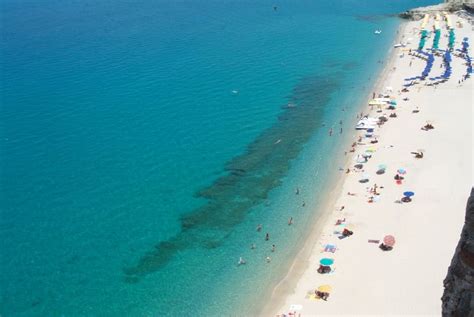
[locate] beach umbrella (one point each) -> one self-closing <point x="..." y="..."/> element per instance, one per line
<point x="402" y="171"/>
<point x="408" y="194"/>
<point x="325" y="288"/>
<point x="326" y="261"/>
<point x="389" y="240"/>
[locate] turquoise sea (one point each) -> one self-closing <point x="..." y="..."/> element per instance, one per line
<point x="143" y="141"/>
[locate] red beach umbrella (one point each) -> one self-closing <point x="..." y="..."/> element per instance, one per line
<point x="389" y="240"/>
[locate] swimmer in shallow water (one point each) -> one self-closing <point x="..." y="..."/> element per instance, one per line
<point x="241" y="261"/>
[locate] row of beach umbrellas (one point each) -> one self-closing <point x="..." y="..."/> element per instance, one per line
<point x="452" y="38"/>
<point x="436" y="39"/>
<point x="447" y="73"/>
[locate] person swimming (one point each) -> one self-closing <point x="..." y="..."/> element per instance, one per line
<point x="241" y="261"/>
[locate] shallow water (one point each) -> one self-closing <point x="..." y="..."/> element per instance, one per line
<point x="133" y="177"/>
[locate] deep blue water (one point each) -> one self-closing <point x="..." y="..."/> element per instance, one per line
<point x="133" y="177"/>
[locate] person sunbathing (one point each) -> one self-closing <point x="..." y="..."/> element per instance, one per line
<point x="347" y="233"/>
<point x="322" y="295"/>
<point x="418" y="155"/>
<point x="393" y="115"/>
<point x="398" y="177"/>
<point x="323" y="269"/>
<point x="406" y="199"/>
<point x="384" y="247"/>
<point x="339" y="221"/>
<point x="427" y="127"/>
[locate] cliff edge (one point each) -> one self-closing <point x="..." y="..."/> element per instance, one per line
<point x="449" y="5"/>
<point x="458" y="296"/>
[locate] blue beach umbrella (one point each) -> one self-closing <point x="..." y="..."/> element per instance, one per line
<point x="401" y="171"/>
<point x="408" y="194"/>
<point x="326" y="261"/>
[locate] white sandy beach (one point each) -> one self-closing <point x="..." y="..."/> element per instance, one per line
<point x="407" y="280"/>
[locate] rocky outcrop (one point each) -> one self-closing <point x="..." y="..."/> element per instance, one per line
<point x="458" y="296"/>
<point x="450" y="6"/>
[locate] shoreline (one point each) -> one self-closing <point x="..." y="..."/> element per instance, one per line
<point x="290" y="287"/>
<point x="326" y="210"/>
